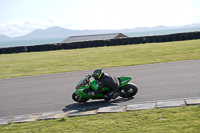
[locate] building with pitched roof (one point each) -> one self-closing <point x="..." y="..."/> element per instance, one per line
<point x="94" y="37"/>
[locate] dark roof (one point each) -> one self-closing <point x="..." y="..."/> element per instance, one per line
<point x="93" y="37"/>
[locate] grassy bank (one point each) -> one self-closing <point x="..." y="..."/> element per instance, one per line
<point x="37" y="63"/>
<point x="173" y="120"/>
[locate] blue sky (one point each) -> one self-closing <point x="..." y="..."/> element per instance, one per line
<point x="19" y="17"/>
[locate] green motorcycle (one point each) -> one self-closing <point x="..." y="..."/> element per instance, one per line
<point x="126" y="89"/>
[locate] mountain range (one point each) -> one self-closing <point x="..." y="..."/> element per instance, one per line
<point x="59" y="32"/>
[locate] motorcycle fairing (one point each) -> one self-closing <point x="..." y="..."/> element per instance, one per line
<point x="82" y="85"/>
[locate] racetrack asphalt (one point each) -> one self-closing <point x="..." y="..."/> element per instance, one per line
<point x="52" y="92"/>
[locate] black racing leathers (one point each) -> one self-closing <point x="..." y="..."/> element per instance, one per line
<point x="108" y="81"/>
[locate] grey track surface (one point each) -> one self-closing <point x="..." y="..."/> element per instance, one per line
<point x="52" y="92"/>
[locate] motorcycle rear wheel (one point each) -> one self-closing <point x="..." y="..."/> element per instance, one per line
<point x="77" y="98"/>
<point x="129" y="90"/>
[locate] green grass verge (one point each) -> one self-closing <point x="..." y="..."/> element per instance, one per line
<point x="169" y="120"/>
<point x="38" y="63"/>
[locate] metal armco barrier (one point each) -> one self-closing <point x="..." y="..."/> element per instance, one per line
<point x="100" y="43"/>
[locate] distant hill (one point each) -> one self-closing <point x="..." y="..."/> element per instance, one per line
<point x="58" y="32"/>
<point x="4" y="38"/>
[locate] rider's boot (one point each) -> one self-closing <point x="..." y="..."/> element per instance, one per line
<point x="115" y="95"/>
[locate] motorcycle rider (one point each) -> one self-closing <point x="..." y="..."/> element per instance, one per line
<point x="105" y="80"/>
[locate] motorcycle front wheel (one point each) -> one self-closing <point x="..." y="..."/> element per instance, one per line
<point x="129" y="90"/>
<point x="77" y="98"/>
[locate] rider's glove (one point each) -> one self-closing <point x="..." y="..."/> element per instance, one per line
<point x="91" y="93"/>
<point x="88" y="77"/>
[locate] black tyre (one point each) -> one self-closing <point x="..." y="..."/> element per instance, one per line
<point x="77" y="98"/>
<point x="129" y="90"/>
